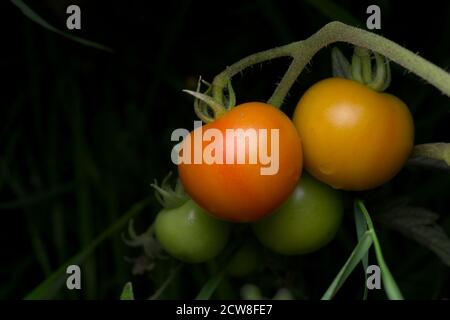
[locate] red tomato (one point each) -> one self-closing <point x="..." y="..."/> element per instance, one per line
<point x="239" y="191"/>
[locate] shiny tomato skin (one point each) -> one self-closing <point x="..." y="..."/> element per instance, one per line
<point x="353" y="137"/>
<point x="239" y="192"/>
<point x="306" y="222"/>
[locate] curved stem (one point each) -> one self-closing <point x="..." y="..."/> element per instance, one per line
<point x="287" y="81"/>
<point x="303" y="51"/>
<point x="221" y="80"/>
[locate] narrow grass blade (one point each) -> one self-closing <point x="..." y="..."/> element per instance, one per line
<point x="37" y="198"/>
<point x="361" y="228"/>
<point x="84" y="201"/>
<point x="211" y="285"/>
<point x="127" y="292"/>
<point x="355" y="257"/>
<point x="37" y="242"/>
<point x="33" y="16"/>
<point x="166" y="283"/>
<point x="390" y="286"/>
<point x="54" y="282"/>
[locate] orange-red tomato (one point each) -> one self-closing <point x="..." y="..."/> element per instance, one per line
<point x="239" y="191"/>
<point x="353" y="137"/>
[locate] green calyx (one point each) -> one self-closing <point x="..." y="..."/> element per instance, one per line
<point x="167" y="196"/>
<point x="376" y="77"/>
<point x="209" y="108"/>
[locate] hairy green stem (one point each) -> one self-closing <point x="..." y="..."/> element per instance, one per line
<point x="303" y="51"/>
<point x="221" y="80"/>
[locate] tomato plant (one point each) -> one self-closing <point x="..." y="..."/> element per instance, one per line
<point x="307" y="221"/>
<point x="189" y="234"/>
<point x="354" y="138"/>
<point x="351" y="135"/>
<point x="240" y="191"/>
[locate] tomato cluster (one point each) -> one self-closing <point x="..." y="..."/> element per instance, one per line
<point x="347" y="136"/>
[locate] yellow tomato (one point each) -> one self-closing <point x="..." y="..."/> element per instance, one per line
<point x="353" y="137"/>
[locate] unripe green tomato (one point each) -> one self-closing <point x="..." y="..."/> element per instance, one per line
<point x="307" y="221"/>
<point x="245" y="261"/>
<point x="189" y="234"/>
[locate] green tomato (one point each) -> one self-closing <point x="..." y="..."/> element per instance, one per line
<point x="246" y="260"/>
<point x="307" y="221"/>
<point x="189" y="234"/>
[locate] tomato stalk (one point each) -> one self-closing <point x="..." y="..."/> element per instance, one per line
<point x="218" y="109"/>
<point x="302" y="52"/>
<point x="218" y="106"/>
<point x="167" y="196"/>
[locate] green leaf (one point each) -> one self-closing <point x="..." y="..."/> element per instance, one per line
<point x="340" y="65"/>
<point x="435" y="155"/>
<point x="358" y="254"/>
<point x="355" y="257"/>
<point x="33" y="16"/>
<point x="127" y="292"/>
<point x="48" y="288"/>
<point x="418" y="224"/>
<point x="361" y="228"/>
<point x="166" y="283"/>
<point x="390" y="286"/>
<point x="211" y="285"/>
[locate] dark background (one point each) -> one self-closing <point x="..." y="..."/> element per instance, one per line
<point x="83" y="133"/>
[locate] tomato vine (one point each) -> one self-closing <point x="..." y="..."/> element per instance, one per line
<point x="302" y="52"/>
